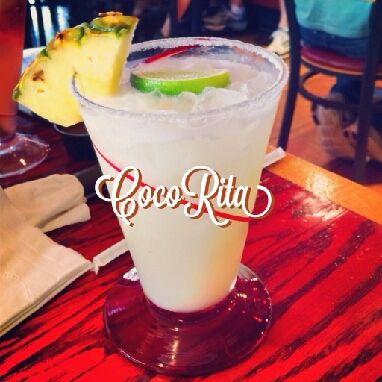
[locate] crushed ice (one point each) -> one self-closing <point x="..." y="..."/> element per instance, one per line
<point x="246" y="82"/>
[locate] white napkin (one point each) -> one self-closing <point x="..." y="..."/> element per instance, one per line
<point x="51" y="202"/>
<point x="33" y="268"/>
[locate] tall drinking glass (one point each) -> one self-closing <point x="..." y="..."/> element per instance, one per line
<point x="188" y="307"/>
<point x="18" y="153"/>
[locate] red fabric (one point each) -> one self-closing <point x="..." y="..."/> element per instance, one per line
<point x="330" y="60"/>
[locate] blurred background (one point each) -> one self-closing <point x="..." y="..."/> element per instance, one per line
<point x="261" y="22"/>
<point x="46" y="17"/>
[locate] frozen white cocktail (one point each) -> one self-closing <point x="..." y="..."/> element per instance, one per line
<point x="187" y="265"/>
<point x="189" y="307"/>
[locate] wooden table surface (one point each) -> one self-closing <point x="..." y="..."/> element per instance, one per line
<point x="319" y="252"/>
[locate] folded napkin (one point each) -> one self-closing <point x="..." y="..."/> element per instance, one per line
<point x="33" y="268"/>
<point x="51" y="202"/>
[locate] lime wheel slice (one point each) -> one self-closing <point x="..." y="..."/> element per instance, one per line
<point x="176" y="82"/>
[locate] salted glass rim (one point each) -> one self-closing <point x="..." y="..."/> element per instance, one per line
<point x="257" y="102"/>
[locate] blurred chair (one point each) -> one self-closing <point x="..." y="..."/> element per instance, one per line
<point x="319" y="61"/>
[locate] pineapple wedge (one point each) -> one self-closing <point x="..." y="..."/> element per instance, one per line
<point x="96" y="52"/>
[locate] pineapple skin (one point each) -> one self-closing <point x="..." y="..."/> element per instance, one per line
<point x="96" y="52"/>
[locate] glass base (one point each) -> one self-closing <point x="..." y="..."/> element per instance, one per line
<point x="188" y="344"/>
<point x="21" y="153"/>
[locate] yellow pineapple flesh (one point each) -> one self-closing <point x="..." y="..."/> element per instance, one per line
<point x="96" y="52"/>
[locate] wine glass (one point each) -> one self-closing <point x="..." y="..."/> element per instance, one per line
<point x="18" y="152"/>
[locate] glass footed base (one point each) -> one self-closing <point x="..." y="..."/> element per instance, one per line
<point x="20" y="154"/>
<point x="187" y="344"/>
